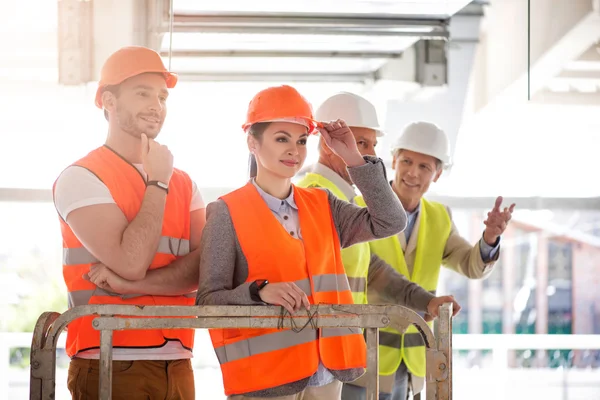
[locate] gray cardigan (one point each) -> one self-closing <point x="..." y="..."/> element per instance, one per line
<point x="224" y="269"/>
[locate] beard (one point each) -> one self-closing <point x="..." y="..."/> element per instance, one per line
<point x="134" y="126"/>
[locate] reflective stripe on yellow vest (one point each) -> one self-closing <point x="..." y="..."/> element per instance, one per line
<point x="356" y="258"/>
<point x="434" y="230"/>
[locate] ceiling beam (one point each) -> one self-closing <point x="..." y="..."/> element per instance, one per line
<point x="293" y="23"/>
<point x="308" y="20"/>
<point x="593" y="74"/>
<point x="216" y="76"/>
<point x="299" y="30"/>
<point x="485" y="203"/>
<point x="284" y="53"/>
<point x="570" y="97"/>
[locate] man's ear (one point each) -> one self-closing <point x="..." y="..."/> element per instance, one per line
<point x="108" y="100"/>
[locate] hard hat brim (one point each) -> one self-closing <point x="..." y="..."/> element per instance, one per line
<point x="312" y="124"/>
<point x="171" y="79"/>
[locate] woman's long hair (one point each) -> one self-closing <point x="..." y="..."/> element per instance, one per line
<point x="256" y="130"/>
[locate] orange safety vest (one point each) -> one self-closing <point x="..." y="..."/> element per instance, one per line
<point x="127" y="187"/>
<point x="257" y="359"/>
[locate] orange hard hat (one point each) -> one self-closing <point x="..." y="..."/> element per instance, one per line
<point x="280" y="103"/>
<point x="128" y="62"/>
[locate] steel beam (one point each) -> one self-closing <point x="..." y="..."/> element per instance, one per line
<point x="273" y="77"/>
<point x="284" y="53"/>
<point x="455" y="202"/>
<point x="569" y="98"/>
<point x="306" y="24"/>
<point x="300" y="30"/>
<point x="308" y="20"/>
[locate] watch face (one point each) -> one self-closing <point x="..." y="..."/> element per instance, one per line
<point x="162" y="185"/>
<point x="261" y="283"/>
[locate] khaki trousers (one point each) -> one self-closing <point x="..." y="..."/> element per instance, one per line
<point x="333" y="391"/>
<point x="134" y="380"/>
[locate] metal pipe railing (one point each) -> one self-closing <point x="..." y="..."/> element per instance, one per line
<point x="371" y="317"/>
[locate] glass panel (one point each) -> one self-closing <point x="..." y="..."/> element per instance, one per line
<point x="560" y="298"/>
<point x="526" y="246"/>
<point x="493" y="301"/>
<point x="455" y="284"/>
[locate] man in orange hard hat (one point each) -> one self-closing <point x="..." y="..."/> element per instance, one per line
<point x="123" y="207"/>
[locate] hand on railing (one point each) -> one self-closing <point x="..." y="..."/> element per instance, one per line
<point x="434" y="306"/>
<point x="285" y="294"/>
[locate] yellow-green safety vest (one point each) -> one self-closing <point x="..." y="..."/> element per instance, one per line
<point x="356" y="258"/>
<point x="434" y="230"/>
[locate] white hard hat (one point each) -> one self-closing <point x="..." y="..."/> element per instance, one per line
<point x="424" y="138"/>
<point x="353" y="109"/>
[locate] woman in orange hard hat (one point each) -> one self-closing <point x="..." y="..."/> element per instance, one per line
<point x="271" y="242"/>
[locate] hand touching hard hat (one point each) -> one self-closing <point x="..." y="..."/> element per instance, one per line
<point x="340" y="139"/>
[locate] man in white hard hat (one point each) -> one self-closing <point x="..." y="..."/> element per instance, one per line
<point x="363" y="268"/>
<point x="430" y="240"/>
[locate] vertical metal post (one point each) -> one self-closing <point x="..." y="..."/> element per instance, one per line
<point x="105" y="387"/>
<point x="528" y="50"/>
<point x="443" y="338"/>
<point x="372" y="364"/>
<point x="171" y="16"/>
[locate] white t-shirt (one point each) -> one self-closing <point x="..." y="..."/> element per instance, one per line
<point x="77" y="187"/>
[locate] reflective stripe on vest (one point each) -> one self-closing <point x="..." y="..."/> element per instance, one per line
<point x="127" y="187"/>
<point x="259" y="359"/>
<point x="356" y="258"/>
<point x="166" y="245"/>
<point x="434" y="230"/>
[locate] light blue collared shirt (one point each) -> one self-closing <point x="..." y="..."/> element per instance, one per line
<point x="286" y="212"/>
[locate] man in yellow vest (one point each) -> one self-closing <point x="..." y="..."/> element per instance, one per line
<point x="363" y="268"/>
<point x="430" y="240"/>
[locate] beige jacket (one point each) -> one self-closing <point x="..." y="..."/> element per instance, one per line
<point x="459" y="256"/>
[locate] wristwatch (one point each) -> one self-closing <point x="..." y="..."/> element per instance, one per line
<point x="255" y="287"/>
<point x="160" y="184"/>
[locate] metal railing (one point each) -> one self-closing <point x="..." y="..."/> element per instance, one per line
<point x="371" y="317"/>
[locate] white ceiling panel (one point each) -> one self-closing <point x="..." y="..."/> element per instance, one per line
<point x="224" y="41"/>
<point x="274" y="65"/>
